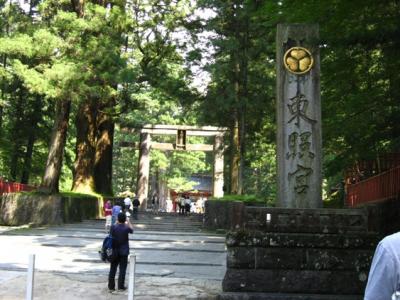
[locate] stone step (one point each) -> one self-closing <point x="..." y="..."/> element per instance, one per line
<point x="140" y="225"/>
<point x="274" y="296"/>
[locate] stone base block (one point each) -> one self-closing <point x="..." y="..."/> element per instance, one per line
<point x="274" y="258"/>
<point x="274" y="296"/>
<point x="295" y="281"/>
<point x="301" y="240"/>
<point x="306" y="220"/>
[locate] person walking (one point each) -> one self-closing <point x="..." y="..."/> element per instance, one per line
<point x="135" y="208"/>
<point x="108" y="215"/>
<point x="182" y="205"/>
<point x="116" y="209"/>
<point x="127" y="203"/>
<point x="154" y="203"/>
<point x="120" y="232"/>
<point x="188" y="203"/>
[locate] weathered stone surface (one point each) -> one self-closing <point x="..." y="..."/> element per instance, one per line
<point x="299" y="140"/>
<point x="19" y="208"/>
<point x="310" y="251"/>
<point x="223" y="214"/>
<point x="313" y="259"/>
<point x="299" y="258"/>
<point x="241" y="258"/>
<point x="295" y="281"/>
<point x="380" y="217"/>
<point x="306" y="220"/>
<point x="280" y="296"/>
<point x="304" y="240"/>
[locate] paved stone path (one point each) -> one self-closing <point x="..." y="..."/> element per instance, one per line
<point x="175" y="260"/>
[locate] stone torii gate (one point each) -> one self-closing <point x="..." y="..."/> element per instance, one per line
<point x="181" y="132"/>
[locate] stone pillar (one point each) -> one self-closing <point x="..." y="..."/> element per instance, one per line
<point x="143" y="170"/>
<point x="298" y="116"/>
<point x="218" y="174"/>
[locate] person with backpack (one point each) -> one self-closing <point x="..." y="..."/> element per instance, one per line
<point x="120" y="234"/>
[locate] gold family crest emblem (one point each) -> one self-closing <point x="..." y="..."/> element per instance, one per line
<point x="298" y="60"/>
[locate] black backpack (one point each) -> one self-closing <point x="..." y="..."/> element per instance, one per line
<point x="109" y="251"/>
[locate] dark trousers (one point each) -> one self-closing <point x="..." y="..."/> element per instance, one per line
<point x="182" y="209"/>
<point x="122" y="261"/>
<point x="187" y="208"/>
<point x="135" y="212"/>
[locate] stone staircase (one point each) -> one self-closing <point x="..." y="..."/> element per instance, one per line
<point x="170" y="222"/>
<point x="151" y="222"/>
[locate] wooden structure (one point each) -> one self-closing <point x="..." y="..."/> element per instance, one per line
<point x="365" y="169"/>
<point x="181" y="132"/>
<point x="14" y="187"/>
<point x="380" y="187"/>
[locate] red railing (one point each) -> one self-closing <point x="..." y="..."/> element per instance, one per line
<point x="383" y="186"/>
<point x="13" y="187"/>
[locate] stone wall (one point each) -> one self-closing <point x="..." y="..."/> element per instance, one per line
<point x="310" y="251"/>
<point x="300" y="251"/>
<point x="381" y="217"/>
<point x="276" y="251"/>
<point x="223" y="214"/>
<point x="22" y="208"/>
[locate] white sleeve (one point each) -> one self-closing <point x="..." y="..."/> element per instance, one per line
<point x="382" y="279"/>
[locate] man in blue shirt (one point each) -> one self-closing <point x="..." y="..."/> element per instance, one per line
<point x="120" y="232"/>
<point x="384" y="275"/>
<point x="116" y="209"/>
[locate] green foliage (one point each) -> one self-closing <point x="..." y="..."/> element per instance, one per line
<point x="180" y="184"/>
<point x="140" y="58"/>
<point x="247" y="199"/>
<point x="79" y="195"/>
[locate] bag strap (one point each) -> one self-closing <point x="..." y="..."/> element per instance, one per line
<point x="112" y="236"/>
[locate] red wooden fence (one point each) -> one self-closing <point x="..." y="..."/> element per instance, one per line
<point x="13" y="187"/>
<point x="382" y="186"/>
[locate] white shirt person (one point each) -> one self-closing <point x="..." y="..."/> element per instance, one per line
<point x="384" y="275"/>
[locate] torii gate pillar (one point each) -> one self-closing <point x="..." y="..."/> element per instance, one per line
<point x="144" y="169"/>
<point x="218" y="172"/>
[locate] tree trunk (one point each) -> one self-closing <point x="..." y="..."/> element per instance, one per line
<point x="235" y="149"/>
<point x="243" y="102"/>
<point x="85" y="149"/>
<point x="235" y="155"/>
<point x="28" y="159"/>
<point x="3" y="92"/>
<point x="17" y="139"/>
<point x="56" y="149"/>
<point x="34" y="120"/>
<point x="103" y="159"/>
<point x="1" y="116"/>
<point x="79" y="7"/>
